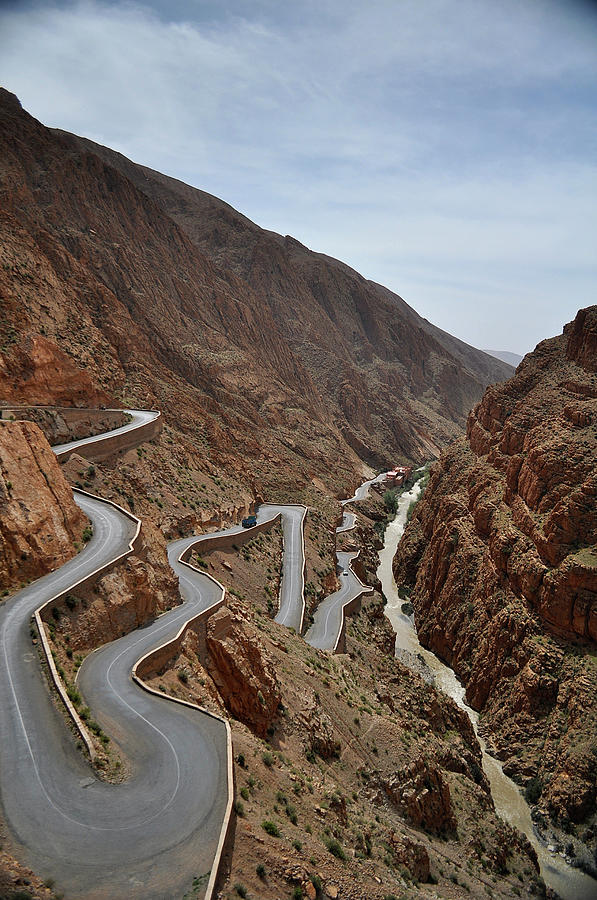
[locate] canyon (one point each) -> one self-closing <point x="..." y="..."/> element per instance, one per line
<point x="500" y="564"/>
<point x="284" y="376"/>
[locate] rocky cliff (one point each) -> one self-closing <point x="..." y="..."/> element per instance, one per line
<point x="119" y="284"/>
<point x="501" y="558"/>
<point x="40" y="522"/>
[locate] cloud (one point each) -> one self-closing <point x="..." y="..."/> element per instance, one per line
<point x="445" y="149"/>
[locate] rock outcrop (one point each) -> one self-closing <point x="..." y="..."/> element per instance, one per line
<point x="40" y="523"/>
<point x="63" y="424"/>
<point x="501" y="558"/>
<point x="422" y="795"/>
<point x="240" y="669"/>
<point x="128" y="595"/>
<point x="411" y="855"/>
<point x="37" y="371"/>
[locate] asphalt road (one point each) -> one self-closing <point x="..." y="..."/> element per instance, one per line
<point x="327" y="620"/>
<point x="292" y="585"/>
<point x="363" y="489"/>
<point x="138" y="417"/>
<point x="291" y="599"/>
<point x="329" y="615"/>
<point x="145" y="838"/>
<point x="348" y="522"/>
<point x="149" y="836"/>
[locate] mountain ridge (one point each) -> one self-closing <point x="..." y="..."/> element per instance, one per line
<point x="159" y="289"/>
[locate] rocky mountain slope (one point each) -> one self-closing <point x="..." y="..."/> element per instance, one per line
<point x="501" y="557"/>
<point x="366" y="350"/>
<point x="271" y="356"/>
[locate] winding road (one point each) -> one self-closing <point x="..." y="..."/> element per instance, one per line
<point x="151" y="835"/>
<point x="329" y="618"/>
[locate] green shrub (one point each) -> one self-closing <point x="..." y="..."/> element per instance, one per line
<point x="335" y="848"/>
<point x="533" y="790"/>
<point x="390" y="501"/>
<point x="73" y="695"/>
<point x="291" y="813"/>
<point x="270" y="828"/>
<point x="268" y="759"/>
<point x="260" y="870"/>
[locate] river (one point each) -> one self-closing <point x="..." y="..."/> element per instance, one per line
<point x="568" y="882"/>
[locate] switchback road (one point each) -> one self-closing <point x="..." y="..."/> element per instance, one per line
<point x="151" y="835"/>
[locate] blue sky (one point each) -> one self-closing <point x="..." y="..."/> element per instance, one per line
<point x="445" y="148"/>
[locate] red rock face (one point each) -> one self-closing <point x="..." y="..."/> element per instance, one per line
<point x="422" y="795"/>
<point x="502" y="558"/>
<point x="127" y="596"/>
<point x="582" y="339"/>
<point x="412" y="855"/>
<point x="38" y="372"/>
<point x="39" y="520"/>
<point x="241" y="670"/>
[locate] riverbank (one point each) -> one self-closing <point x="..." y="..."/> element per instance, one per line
<point x="569" y="883"/>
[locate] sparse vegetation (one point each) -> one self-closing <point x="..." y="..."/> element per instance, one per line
<point x="335" y="848"/>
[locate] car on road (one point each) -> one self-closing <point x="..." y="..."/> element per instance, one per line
<point x="249" y="521"/>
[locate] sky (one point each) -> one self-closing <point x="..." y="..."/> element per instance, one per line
<point x="444" y="148"/>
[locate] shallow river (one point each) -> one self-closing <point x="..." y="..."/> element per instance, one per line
<point x="569" y="883"/>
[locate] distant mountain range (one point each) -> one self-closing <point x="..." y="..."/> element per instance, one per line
<point x="511" y="358"/>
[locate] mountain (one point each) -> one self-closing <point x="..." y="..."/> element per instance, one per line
<point x="280" y="359"/>
<point x="279" y="373"/>
<point x="501" y="558"/>
<point x="513" y="359"/>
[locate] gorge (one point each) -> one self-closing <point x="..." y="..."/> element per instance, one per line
<point x="284" y="381"/>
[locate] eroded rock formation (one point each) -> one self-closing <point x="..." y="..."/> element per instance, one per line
<point x="128" y="595"/>
<point x="501" y="558"/>
<point x="422" y="795"/>
<point x="39" y="520"/>
<point x="243" y="674"/>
